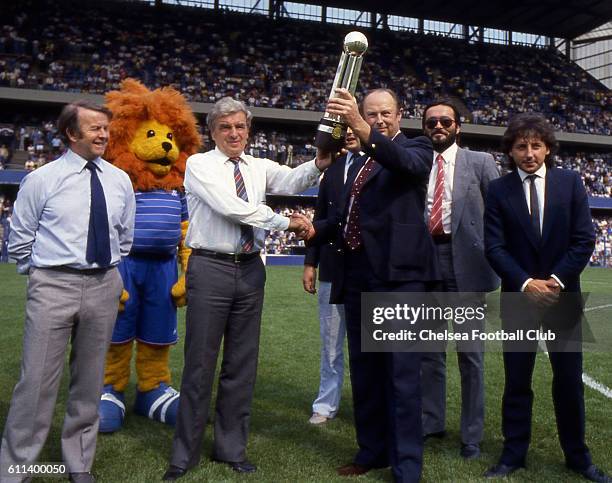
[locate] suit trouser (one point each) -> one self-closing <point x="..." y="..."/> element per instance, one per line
<point x="386" y="386"/>
<point x="225" y="301"/>
<point x="471" y="369"/>
<point x="332" y="330"/>
<point x="568" y="399"/>
<point x="61" y="307"/>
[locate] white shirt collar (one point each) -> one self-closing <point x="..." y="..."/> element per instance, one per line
<point x="78" y="162"/>
<point x="449" y="154"/>
<point x="221" y="155"/>
<point x="541" y="173"/>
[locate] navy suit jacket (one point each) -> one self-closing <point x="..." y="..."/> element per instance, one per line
<point x="567" y="241"/>
<point x="330" y="196"/>
<point x="392" y="201"/>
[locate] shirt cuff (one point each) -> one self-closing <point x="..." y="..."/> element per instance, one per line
<point x="525" y="284"/>
<point x="281" y="222"/>
<point x="558" y="281"/>
<point x="23" y="266"/>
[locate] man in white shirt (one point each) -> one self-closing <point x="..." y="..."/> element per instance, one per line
<point x="226" y="193"/>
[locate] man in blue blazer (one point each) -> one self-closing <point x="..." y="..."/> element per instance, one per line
<point x="538" y="238"/>
<point x="331" y="316"/>
<point x="383" y="245"/>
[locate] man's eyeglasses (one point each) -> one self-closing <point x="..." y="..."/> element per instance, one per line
<point x="432" y="122"/>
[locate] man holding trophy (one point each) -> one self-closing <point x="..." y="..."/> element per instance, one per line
<point x="383" y="246"/>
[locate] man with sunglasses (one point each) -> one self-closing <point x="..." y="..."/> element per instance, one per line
<point x="454" y="210"/>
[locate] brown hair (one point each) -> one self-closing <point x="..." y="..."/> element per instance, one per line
<point x="530" y="125"/>
<point x="68" y="120"/>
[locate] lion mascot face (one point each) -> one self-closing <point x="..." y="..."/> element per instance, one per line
<point x="151" y="135"/>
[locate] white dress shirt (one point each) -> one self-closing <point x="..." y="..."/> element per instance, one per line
<point x="449" y="155"/>
<point x="51" y="215"/>
<point x="215" y="210"/>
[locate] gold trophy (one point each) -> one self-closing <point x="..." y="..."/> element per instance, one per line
<point x="331" y="132"/>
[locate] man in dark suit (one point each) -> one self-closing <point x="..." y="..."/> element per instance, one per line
<point x="457" y="188"/>
<point x="538" y="238"/>
<point x="331" y="316"/>
<point x="383" y="246"/>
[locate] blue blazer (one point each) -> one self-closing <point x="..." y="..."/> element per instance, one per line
<point x="568" y="238"/>
<point x="330" y="195"/>
<point x="395" y="238"/>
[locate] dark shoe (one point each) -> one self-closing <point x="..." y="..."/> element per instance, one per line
<point x="592" y="473"/>
<point x="470" y="451"/>
<point x="501" y="470"/>
<point x="84" y="477"/>
<point x="239" y="466"/>
<point x="437" y="435"/>
<point x="174" y="473"/>
<point x="352" y="469"/>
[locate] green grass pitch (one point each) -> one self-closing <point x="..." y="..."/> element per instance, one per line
<point x="282" y="443"/>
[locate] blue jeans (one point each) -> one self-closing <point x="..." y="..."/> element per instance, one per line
<point x="332" y="328"/>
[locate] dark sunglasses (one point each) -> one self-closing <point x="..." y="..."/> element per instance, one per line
<point x="432" y="122"/>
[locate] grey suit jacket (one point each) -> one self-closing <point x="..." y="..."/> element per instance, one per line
<point x="473" y="172"/>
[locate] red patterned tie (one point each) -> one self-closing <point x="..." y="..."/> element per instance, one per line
<point x="352" y="235"/>
<point x="435" y="217"/>
<point x="247" y="238"/>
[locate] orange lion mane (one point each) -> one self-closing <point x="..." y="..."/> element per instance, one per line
<point x="131" y="106"/>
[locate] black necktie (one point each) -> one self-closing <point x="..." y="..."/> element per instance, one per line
<point x="98" y="242"/>
<point x="534" y="205"/>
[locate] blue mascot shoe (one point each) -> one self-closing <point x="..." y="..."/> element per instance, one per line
<point x="111" y="410"/>
<point x="159" y="404"/>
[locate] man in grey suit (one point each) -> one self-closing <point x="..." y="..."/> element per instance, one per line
<point x="457" y="188"/>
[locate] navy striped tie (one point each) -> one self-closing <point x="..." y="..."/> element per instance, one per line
<point x="247" y="238"/>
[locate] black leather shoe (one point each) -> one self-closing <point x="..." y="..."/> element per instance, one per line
<point x="84" y="477"/>
<point x="592" y="473"/>
<point x="174" y="473"/>
<point x="437" y="435"/>
<point x="239" y="466"/>
<point x="501" y="470"/>
<point x="470" y="451"/>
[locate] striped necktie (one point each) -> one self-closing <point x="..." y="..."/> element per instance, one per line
<point x="435" y="217"/>
<point x="247" y="238"/>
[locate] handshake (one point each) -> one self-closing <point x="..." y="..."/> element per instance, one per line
<point x="301" y="225"/>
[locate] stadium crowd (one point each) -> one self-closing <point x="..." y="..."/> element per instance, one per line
<point x="286" y="64"/>
<point x="602" y="256"/>
<point x="42" y="144"/>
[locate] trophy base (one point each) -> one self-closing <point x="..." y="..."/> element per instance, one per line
<point x="331" y="136"/>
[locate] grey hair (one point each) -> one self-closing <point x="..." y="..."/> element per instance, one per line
<point x="224" y="107"/>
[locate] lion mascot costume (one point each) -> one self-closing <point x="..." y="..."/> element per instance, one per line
<point x="151" y="135"/>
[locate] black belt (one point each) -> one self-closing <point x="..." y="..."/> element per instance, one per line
<point x="79" y="271"/>
<point x="234" y="257"/>
<point x="446" y="238"/>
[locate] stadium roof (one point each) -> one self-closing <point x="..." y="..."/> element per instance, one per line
<point x="565" y="18"/>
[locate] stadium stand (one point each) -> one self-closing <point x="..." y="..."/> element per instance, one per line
<point x="289" y="64"/>
<point x="286" y="64"/>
